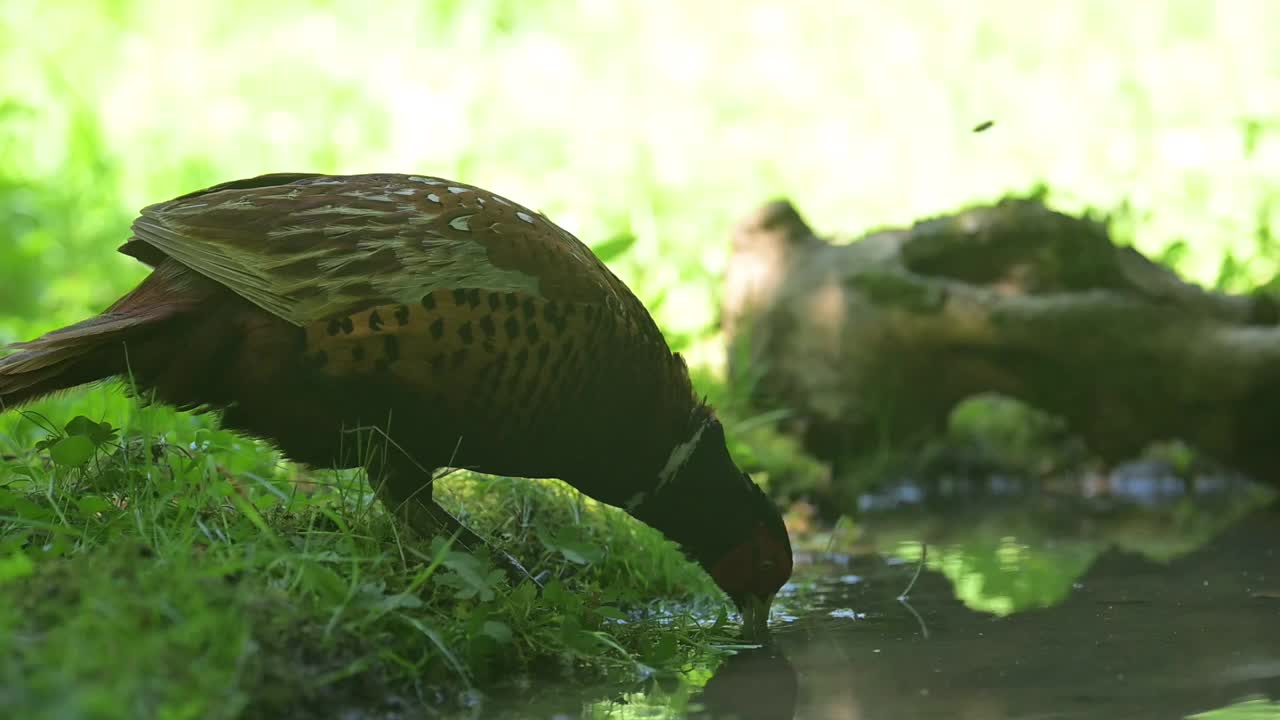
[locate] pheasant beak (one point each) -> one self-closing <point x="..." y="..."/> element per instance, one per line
<point x="755" y="617"/>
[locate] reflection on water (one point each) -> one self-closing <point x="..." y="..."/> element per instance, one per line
<point x="1007" y="547"/>
<point x="1053" y="603"/>
<point x="757" y="683"/>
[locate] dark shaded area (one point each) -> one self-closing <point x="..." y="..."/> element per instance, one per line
<point x="1135" y="638"/>
<point x="735" y="689"/>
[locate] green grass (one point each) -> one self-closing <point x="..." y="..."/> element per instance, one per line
<point x="176" y="570"/>
<point x="186" y="572"/>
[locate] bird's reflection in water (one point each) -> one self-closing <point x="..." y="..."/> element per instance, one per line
<point x="756" y="684"/>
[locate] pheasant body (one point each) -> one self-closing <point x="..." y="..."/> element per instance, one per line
<point x="469" y="330"/>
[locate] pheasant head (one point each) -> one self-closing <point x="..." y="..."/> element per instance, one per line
<point x="722" y="520"/>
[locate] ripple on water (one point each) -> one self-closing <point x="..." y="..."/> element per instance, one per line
<point x="847" y="613"/>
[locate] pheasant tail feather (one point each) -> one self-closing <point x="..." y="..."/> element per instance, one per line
<point x="94" y="349"/>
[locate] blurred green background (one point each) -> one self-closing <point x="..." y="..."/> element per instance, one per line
<point x="659" y="120"/>
<point x="664" y="120"/>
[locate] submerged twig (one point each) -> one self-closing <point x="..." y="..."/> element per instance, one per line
<point x="924" y="555"/>
<point x="902" y="598"/>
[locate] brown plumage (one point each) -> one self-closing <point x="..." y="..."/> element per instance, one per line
<point x="469" y="331"/>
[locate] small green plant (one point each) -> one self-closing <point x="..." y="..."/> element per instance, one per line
<point x="79" y="442"/>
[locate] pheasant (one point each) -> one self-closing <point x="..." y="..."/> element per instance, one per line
<point x="463" y="329"/>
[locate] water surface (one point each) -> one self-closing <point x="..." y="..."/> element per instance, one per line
<point x="1125" y="597"/>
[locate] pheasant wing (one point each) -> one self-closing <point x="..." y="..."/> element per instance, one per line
<point x="307" y="247"/>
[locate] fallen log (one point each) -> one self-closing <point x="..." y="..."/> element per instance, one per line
<point x="878" y="339"/>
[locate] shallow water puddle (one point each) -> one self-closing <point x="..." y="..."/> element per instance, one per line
<point x="1030" y="605"/>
